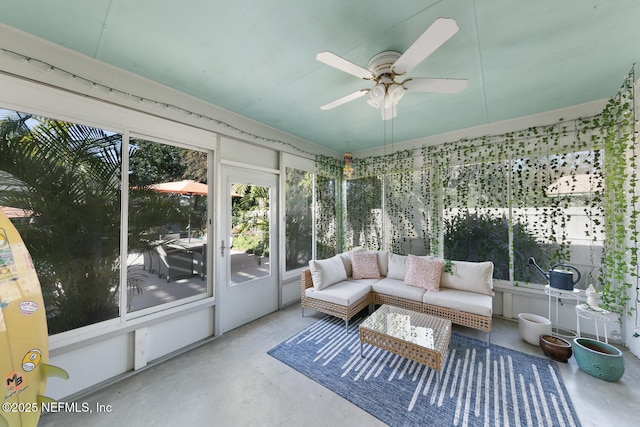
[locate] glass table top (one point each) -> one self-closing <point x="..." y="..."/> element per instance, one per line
<point x="424" y="330"/>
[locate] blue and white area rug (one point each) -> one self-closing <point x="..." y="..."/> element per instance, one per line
<point x="481" y="384"/>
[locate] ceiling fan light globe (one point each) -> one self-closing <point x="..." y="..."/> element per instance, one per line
<point x="377" y="92"/>
<point x="396" y="92"/>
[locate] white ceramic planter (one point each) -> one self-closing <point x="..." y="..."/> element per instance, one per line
<point x="532" y="326"/>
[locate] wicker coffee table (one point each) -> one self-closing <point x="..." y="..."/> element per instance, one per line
<point x="417" y="336"/>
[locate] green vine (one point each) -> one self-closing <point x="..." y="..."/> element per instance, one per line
<point x="529" y="191"/>
<point x="620" y="257"/>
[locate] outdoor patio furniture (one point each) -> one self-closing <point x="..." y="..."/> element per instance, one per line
<point x="200" y="262"/>
<point x="148" y="257"/>
<point x="174" y="263"/>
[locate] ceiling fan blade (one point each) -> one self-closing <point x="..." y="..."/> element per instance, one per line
<point x="345" y="99"/>
<point x="343" y="65"/>
<point x="436" y="85"/>
<point x="438" y="33"/>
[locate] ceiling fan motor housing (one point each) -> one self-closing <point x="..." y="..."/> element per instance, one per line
<point x="380" y="65"/>
<point x="386" y="92"/>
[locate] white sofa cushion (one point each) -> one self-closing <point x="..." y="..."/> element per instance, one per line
<point x="369" y="282"/>
<point x="469" y="276"/>
<point x="424" y="272"/>
<point x="470" y="302"/>
<point x="327" y="272"/>
<point x="397" y="288"/>
<point x="383" y="261"/>
<point x="397" y="266"/>
<point x="341" y="293"/>
<point x="346" y="260"/>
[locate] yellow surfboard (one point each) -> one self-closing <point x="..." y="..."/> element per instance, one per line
<point x="24" y="340"/>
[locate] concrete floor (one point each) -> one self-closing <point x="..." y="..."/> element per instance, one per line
<point x="232" y="381"/>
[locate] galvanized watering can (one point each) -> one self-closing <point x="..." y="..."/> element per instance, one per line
<point x="559" y="279"/>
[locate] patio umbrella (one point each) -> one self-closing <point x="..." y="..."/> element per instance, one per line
<point x="187" y="187"/>
<point x="15" y="212"/>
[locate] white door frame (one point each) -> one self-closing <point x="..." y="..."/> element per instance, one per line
<point x="237" y="304"/>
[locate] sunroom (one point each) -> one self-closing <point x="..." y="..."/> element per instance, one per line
<point x="172" y="172"/>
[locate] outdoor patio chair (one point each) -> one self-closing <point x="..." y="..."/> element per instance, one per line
<point x="174" y="263"/>
<point x="200" y="262"/>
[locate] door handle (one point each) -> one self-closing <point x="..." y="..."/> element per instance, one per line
<point x="222" y="247"/>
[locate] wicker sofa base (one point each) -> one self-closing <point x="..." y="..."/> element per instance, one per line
<point x="340" y="311"/>
<point x="462" y="318"/>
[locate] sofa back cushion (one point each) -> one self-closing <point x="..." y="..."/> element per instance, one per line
<point x="365" y="265"/>
<point x="326" y="272"/>
<point x="397" y="266"/>
<point x="469" y="276"/>
<point x="424" y="272"/>
<point x="383" y="261"/>
<point x="346" y="260"/>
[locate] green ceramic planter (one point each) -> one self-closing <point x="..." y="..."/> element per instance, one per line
<point x="598" y="359"/>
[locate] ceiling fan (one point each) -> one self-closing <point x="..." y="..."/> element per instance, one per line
<point x="386" y="66"/>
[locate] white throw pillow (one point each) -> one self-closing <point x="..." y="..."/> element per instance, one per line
<point x="326" y="272"/>
<point x="397" y="267"/>
<point x="469" y="276"/>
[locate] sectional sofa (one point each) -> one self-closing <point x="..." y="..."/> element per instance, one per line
<point x="349" y="282"/>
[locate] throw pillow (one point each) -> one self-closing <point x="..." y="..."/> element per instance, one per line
<point x="326" y="272"/>
<point x="397" y="266"/>
<point x="365" y="265"/>
<point x="424" y="272"/>
<point x="470" y="276"/>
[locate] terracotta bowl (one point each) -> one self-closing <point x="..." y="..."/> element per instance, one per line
<point x="556" y="348"/>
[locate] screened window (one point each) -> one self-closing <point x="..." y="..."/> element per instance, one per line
<point x="476" y="218"/>
<point x="558" y="213"/>
<point x="328" y="222"/>
<point x="299" y="218"/>
<point x="363" y="202"/>
<point x="167" y="227"/>
<point x="407" y="221"/>
<point x="62" y="182"/>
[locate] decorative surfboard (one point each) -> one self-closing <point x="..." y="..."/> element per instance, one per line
<point x="24" y="345"/>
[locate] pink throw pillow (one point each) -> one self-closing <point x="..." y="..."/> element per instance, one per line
<point x="424" y="272"/>
<point x="365" y="265"/>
